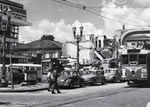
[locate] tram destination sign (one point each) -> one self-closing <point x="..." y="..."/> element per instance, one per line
<point x="17" y="12"/>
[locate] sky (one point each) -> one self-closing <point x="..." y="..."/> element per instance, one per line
<point x="49" y="17"/>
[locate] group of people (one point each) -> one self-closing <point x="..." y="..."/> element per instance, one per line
<point x="54" y="71"/>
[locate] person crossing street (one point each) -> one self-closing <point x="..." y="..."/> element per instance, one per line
<point x="57" y="68"/>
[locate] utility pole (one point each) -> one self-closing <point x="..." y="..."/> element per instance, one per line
<point x="5" y="30"/>
<point x="4" y="82"/>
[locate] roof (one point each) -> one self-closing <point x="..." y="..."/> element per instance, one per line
<point x="40" y="44"/>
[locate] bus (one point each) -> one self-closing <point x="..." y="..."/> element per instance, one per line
<point x="135" y="66"/>
<point x="20" y="70"/>
<point x="29" y="68"/>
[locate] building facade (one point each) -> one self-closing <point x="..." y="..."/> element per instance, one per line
<point x="13" y="15"/>
<point x="40" y="50"/>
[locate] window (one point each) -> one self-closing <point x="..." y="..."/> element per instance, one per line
<point x="133" y="57"/>
<point x="14" y="31"/>
<point x="133" y="60"/>
<point x="124" y="59"/>
<point x="142" y="59"/>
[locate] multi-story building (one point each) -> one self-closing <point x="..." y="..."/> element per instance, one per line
<point x="13" y="15"/>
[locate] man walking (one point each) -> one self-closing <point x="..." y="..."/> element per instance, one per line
<point x="54" y="80"/>
<point x="49" y="76"/>
<point x="55" y="74"/>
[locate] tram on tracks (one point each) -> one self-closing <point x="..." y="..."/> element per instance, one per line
<point x="135" y="59"/>
<point x="135" y="66"/>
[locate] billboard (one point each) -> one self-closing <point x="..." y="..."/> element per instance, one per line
<point x="17" y="12"/>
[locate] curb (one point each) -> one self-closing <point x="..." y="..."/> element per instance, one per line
<point x="23" y="89"/>
<point x="19" y="90"/>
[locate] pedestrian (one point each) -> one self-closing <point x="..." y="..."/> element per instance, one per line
<point x="49" y="80"/>
<point x="102" y="70"/>
<point x="54" y="80"/>
<point x="55" y="74"/>
<point x="49" y="77"/>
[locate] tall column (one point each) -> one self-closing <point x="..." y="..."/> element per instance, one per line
<point x="77" y="55"/>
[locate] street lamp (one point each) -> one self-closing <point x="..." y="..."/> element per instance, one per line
<point x="117" y="51"/>
<point x="78" y="39"/>
<point x="5" y="32"/>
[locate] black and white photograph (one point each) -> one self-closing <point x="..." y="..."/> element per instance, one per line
<point x="74" y="53"/>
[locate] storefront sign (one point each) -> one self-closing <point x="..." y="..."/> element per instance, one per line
<point x="17" y="13"/>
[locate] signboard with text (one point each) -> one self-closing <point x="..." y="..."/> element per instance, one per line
<point x="17" y="12"/>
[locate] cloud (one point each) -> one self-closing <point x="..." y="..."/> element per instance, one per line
<point x="61" y="31"/>
<point x="131" y="17"/>
<point x="89" y="28"/>
<point x="142" y="3"/>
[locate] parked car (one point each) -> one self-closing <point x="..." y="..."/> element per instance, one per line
<point x="112" y="75"/>
<point x="70" y="78"/>
<point x="93" y="77"/>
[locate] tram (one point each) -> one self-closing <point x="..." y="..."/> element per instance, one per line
<point x="135" y="66"/>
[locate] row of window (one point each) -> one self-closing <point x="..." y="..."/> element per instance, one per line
<point x="141" y="59"/>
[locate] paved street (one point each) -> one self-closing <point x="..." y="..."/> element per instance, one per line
<point x="109" y="95"/>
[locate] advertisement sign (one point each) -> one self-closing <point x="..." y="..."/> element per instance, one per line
<point x="17" y="13"/>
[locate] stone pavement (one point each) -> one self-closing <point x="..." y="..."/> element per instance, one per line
<point x="25" y="88"/>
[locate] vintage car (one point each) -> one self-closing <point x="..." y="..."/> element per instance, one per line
<point x="70" y="78"/>
<point x="93" y="77"/>
<point x="112" y="75"/>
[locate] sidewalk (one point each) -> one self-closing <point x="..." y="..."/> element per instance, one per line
<point x="29" y="88"/>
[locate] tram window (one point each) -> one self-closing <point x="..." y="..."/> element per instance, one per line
<point x="133" y="57"/>
<point x="125" y="59"/>
<point x="142" y="59"/>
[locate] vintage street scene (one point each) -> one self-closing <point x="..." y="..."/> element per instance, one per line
<point x="74" y="53"/>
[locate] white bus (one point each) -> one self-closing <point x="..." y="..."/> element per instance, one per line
<point x="29" y="68"/>
<point x="19" y="71"/>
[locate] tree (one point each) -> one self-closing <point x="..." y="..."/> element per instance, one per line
<point x="48" y="37"/>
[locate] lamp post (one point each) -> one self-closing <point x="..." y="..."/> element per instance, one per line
<point x="77" y="39"/>
<point x="117" y="51"/>
<point x="5" y="32"/>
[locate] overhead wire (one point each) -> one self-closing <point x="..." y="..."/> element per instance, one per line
<point x="86" y="8"/>
<point x="113" y="15"/>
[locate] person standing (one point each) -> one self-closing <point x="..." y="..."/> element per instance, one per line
<point x="49" y="76"/>
<point x="54" y="79"/>
<point x="102" y="70"/>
